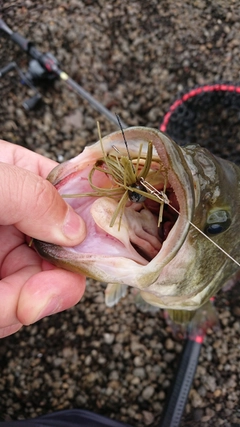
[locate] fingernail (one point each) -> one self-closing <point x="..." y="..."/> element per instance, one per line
<point x="74" y="226"/>
<point x="54" y="305"/>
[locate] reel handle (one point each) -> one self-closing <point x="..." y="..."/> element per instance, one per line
<point x="9" y="67"/>
<point x="31" y="103"/>
<point x="4" y="27"/>
<point x="24" y="43"/>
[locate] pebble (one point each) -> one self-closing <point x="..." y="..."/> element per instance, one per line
<point x="88" y="360"/>
<point x="196" y="399"/>
<point x="148" y="392"/>
<point x="58" y="361"/>
<point x="168" y="357"/>
<point x="108" y="338"/>
<point x="139" y="372"/>
<point x="148" y="418"/>
<point x="169" y="344"/>
<point x="138" y="361"/>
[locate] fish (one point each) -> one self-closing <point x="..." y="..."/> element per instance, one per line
<point x="160" y="218"/>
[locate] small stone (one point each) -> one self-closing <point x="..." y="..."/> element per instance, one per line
<point x="162" y="395"/>
<point x="138" y="361"/>
<point x="67" y="352"/>
<point x="88" y="360"/>
<point x="148" y="418"/>
<point x="230" y="405"/>
<point x="48" y="119"/>
<point x="75" y="119"/>
<point x="51" y="331"/>
<point x="169" y="357"/>
<point x="217" y="392"/>
<point x="196" y="400"/>
<point x="80" y="330"/>
<point x="206" y="418"/>
<point x="70" y="393"/>
<point x="148" y="392"/>
<point x="236" y="311"/>
<point x="102" y="360"/>
<point x="90" y="123"/>
<point x="58" y="361"/>
<point x="218" y="407"/>
<point x="211" y="383"/>
<point x="135" y="381"/>
<point x="114" y="385"/>
<point x="169" y="344"/>
<point x="114" y="375"/>
<point x="10" y="125"/>
<point x="60" y="158"/>
<point x="108" y="338"/>
<point x="139" y="372"/>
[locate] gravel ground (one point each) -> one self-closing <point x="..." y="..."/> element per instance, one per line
<point x="134" y="57"/>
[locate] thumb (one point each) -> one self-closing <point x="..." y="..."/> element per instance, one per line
<point x="35" y="207"/>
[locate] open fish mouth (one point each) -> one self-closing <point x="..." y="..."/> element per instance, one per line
<point x="131" y="233"/>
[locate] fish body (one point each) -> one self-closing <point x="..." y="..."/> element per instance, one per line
<point x="164" y="256"/>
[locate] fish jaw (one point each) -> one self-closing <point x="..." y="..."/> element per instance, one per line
<point x="107" y="253"/>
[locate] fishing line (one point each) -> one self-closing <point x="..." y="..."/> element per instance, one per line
<point x="163" y="198"/>
<point x="124" y="139"/>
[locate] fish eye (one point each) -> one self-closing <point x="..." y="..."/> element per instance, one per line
<point x="134" y="196"/>
<point x="217" y="222"/>
<point x="215" y="229"/>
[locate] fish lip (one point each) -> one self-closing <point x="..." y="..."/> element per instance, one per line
<point x="179" y="177"/>
<point x="181" y="180"/>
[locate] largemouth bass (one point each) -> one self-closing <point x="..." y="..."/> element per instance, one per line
<point x="153" y="212"/>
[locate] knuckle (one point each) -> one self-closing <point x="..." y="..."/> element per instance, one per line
<point x="46" y="197"/>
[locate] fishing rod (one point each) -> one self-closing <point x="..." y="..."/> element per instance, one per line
<point x="44" y="66"/>
<point x="182" y="381"/>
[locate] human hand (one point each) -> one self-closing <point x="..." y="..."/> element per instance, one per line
<point x="30" y="287"/>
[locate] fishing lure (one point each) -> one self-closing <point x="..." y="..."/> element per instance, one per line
<point x="126" y="176"/>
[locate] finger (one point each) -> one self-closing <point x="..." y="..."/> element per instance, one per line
<point x="15" y="254"/>
<point x="47" y="293"/>
<point x="9" y="330"/>
<point x="31" y="294"/>
<point x="34" y="206"/>
<point x="11" y="288"/>
<point x="19" y="156"/>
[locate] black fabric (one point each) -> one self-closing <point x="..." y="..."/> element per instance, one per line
<point x="68" y="418"/>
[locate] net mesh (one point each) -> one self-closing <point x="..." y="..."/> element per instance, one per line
<point x="209" y="116"/>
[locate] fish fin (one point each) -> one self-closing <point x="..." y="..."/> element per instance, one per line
<point x="178" y="320"/>
<point x="143" y="305"/>
<point x="193" y="323"/>
<point x="231" y="282"/>
<point x="113" y="293"/>
<point x="205" y="317"/>
<point x="181" y="316"/>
